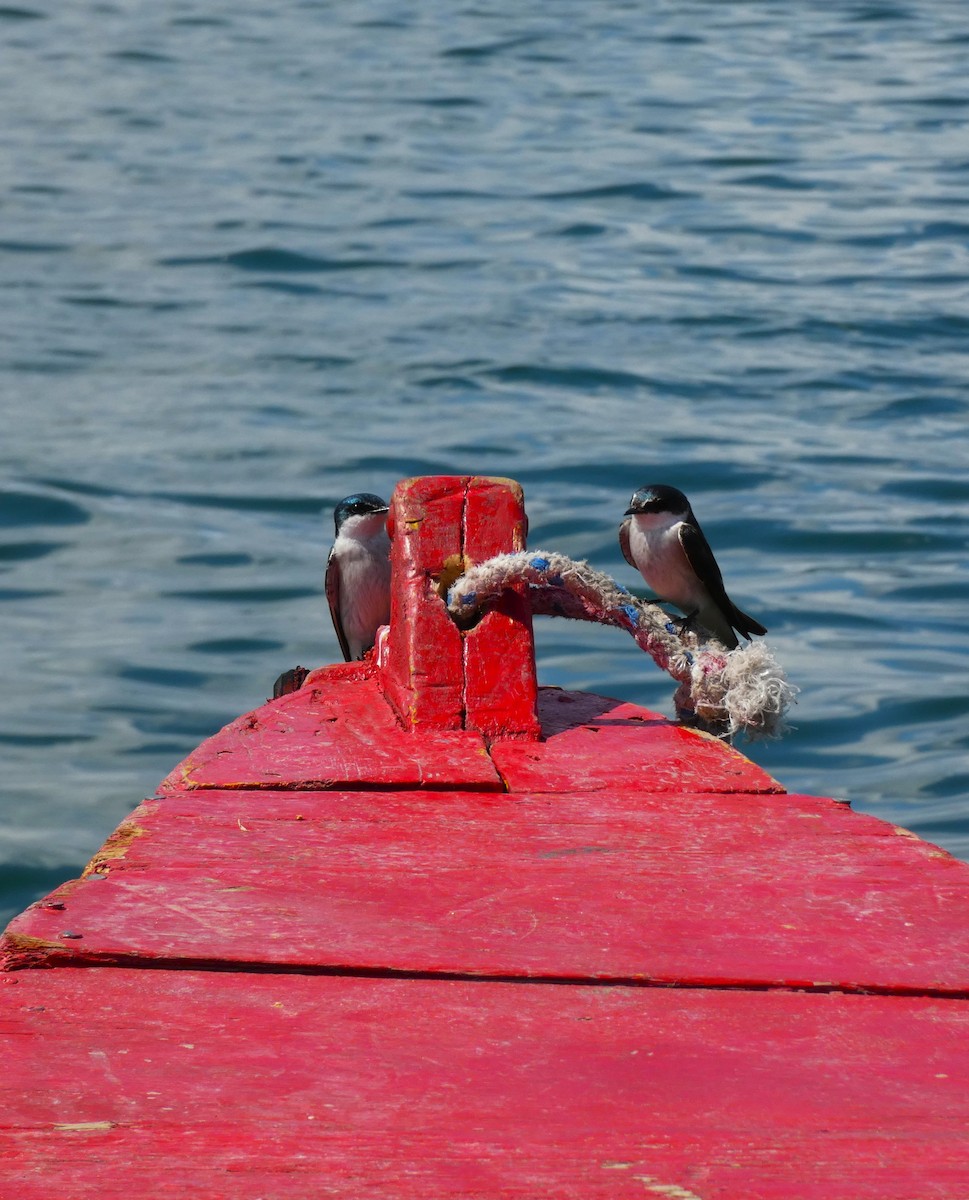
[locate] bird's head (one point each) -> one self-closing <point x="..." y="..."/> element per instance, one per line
<point x="657" y="499"/>
<point x="357" y="508"/>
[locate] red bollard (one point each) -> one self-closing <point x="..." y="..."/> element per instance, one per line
<point x="435" y="675"/>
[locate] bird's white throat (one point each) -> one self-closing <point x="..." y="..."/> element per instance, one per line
<point x="362" y="527"/>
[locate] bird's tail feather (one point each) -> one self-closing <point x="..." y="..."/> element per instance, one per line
<point x="745" y="624"/>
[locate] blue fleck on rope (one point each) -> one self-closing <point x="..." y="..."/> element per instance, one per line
<point x="727" y="691"/>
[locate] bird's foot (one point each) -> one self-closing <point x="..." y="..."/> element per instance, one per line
<point x="692" y="626"/>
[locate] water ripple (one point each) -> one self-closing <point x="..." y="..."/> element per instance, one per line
<point x="579" y="378"/>
<point x="270" y="257"/>
<point x="20" y="508"/>
<point x="25" y="551"/>
<point x="640" y="190"/>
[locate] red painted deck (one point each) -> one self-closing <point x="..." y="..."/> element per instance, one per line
<point x="380" y="938"/>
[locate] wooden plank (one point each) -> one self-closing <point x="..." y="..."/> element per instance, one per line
<point x="337" y="731"/>
<point x="592" y="742"/>
<point x="205" y="1084"/>
<point x="752" y="890"/>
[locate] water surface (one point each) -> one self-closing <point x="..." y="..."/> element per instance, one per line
<point x="256" y="257"/>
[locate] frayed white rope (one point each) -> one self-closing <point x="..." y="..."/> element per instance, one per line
<point x="726" y="691"/>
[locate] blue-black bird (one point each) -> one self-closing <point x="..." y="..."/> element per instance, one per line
<point x="358" y="572"/>
<point x="663" y="540"/>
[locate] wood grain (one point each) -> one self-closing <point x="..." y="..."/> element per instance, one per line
<point x="754" y="890"/>
<point x="134" y="1083"/>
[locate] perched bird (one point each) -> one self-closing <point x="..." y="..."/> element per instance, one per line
<point x="663" y="540"/>
<point x="358" y="572"/>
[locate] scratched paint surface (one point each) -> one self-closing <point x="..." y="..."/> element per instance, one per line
<point x="752" y="889"/>
<point x="179" y="1082"/>
<point x="337" y="731"/>
<point x="334" y="870"/>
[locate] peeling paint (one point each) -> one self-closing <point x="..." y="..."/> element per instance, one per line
<point x="27" y="944"/>
<point x="85" y="1127"/>
<point x="19" y="951"/>
<point x="906" y="833"/>
<point x="115" y="847"/>
<point x="671" y="1190"/>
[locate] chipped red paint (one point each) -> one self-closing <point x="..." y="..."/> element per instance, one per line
<point x="337" y="731"/>
<point x="726" y="890"/>
<point x="432" y="675"/>
<point x="422" y="929"/>
<point x="130" y="1084"/>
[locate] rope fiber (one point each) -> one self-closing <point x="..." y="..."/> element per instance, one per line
<point x="725" y="692"/>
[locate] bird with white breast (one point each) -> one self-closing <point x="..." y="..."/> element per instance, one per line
<point x="358" y="572"/>
<point x="663" y="540"/>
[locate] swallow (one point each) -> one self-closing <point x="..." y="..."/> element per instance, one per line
<point x="663" y="540"/>
<point x="358" y="572"/>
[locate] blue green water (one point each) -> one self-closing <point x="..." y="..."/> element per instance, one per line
<point x="254" y="257"/>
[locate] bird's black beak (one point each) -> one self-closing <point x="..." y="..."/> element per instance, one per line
<point x="630" y="512"/>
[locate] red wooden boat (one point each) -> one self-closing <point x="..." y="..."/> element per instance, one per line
<point x="424" y="929"/>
